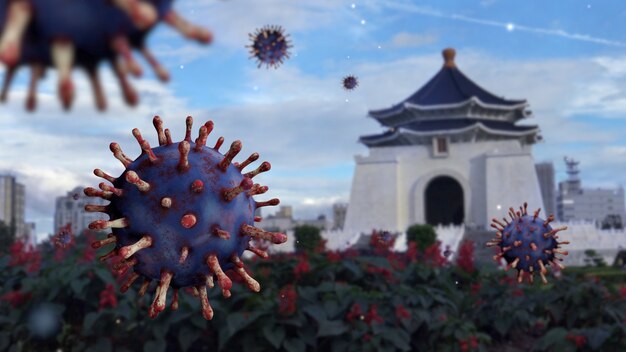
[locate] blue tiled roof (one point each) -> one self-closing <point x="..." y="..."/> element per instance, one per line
<point x="449" y="86"/>
<point x="454" y="124"/>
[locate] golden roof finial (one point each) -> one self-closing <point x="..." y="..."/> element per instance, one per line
<point x="448" y="57"/>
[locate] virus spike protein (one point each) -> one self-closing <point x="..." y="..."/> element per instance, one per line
<point x="527" y="243"/>
<point x="183" y="219"/>
<point x="83" y="34"/>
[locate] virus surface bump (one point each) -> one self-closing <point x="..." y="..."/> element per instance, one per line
<point x="83" y="33"/>
<point x="527" y="243"/>
<point x="269" y="46"/>
<point x="350" y="82"/>
<point x="182" y="214"/>
<point x="64" y="238"/>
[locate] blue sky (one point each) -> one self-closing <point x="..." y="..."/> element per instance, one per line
<point x="567" y="58"/>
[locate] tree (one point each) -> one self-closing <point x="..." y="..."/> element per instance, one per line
<point x="423" y="235"/>
<point x="308" y="238"/>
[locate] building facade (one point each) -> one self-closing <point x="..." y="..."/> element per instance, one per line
<point x="339" y="215"/>
<point x="12" y="204"/>
<point x="575" y="203"/>
<point x="453" y="153"/>
<point x="545" y="174"/>
<point x="70" y="209"/>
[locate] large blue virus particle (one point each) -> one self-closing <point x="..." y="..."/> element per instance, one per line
<point x="269" y="46"/>
<point x="182" y="214"/>
<point x="62" y="35"/>
<point x="527" y="243"/>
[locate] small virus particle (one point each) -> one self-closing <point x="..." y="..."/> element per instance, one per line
<point x="350" y="82"/>
<point x="269" y="46"/>
<point x="75" y="196"/>
<point x="527" y="243"/>
<point x="182" y="213"/>
<point x="64" y="238"/>
<point x="41" y="34"/>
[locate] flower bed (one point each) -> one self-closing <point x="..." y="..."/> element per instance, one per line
<point x="372" y="300"/>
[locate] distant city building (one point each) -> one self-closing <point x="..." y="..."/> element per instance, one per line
<point x="30" y="232"/>
<point x="70" y="209"/>
<point x="339" y="215"/>
<point x="452" y="153"/>
<point x="592" y="204"/>
<point x="321" y="222"/>
<point x="12" y="204"/>
<point x="283" y="221"/>
<point x="545" y="174"/>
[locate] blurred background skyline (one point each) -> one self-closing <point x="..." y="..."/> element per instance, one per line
<point x="567" y="59"/>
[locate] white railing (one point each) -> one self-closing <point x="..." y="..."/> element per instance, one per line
<point x="582" y="235"/>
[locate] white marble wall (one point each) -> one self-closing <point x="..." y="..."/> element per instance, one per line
<point x="389" y="184"/>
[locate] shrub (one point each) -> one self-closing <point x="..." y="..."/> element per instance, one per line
<point x="307" y="237"/>
<point x="423" y="235"/>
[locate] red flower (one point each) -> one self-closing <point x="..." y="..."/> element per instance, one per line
<point x="321" y="246"/>
<point x="579" y="340"/>
<point x="333" y="256"/>
<point x="402" y="313"/>
<point x="465" y="259"/>
<point x="622" y="291"/>
<point x="385" y="272"/>
<point x="473" y="342"/>
<point x="287" y="299"/>
<point x="372" y="315"/>
<point x="470" y="344"/>
<point x="518" y="293"/>
<point x="354" y="313"/>
<point x="476" y="288"/>
<point x="463" y="346"/>
<point x="302" y="267"/>
<point x="16" y="298"/>
<point x="367" y="337"/>
<point x="382" y="241"/>
<point x="22" y="255"/>
<point x="107" y="297"/>
<point x="396" y="261"/>
<point x="432" y="255"/>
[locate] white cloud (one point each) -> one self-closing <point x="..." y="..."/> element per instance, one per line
<point x="409" y="40"/>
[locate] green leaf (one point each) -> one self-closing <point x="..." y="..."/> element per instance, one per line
<point x="102" y="345"/>
<point x="597" y="336"/>
<point x="552" y="337"/>
<point x="154" y="346"/>
<point x="78" y="285"/>
<point x="187" y="336"/>
<point x="88" y="322"/>
<point x="5" y="340"/>
<point x="331" y="328"/>
<point x="316" y="312"/>
<point x="274" y="334"/>
<point x="294" y="345"/>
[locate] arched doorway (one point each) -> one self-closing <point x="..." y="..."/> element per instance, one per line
<point x="443" y="200"/>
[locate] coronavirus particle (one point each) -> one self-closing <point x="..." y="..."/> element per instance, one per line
<point x="349" y="82"/>
<point x="269" y="46"/>
<point x="181" y="213"/>
<point x="42" y="34"/>
<point x="527" y="243"/>
<point x="64" y="238"/>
